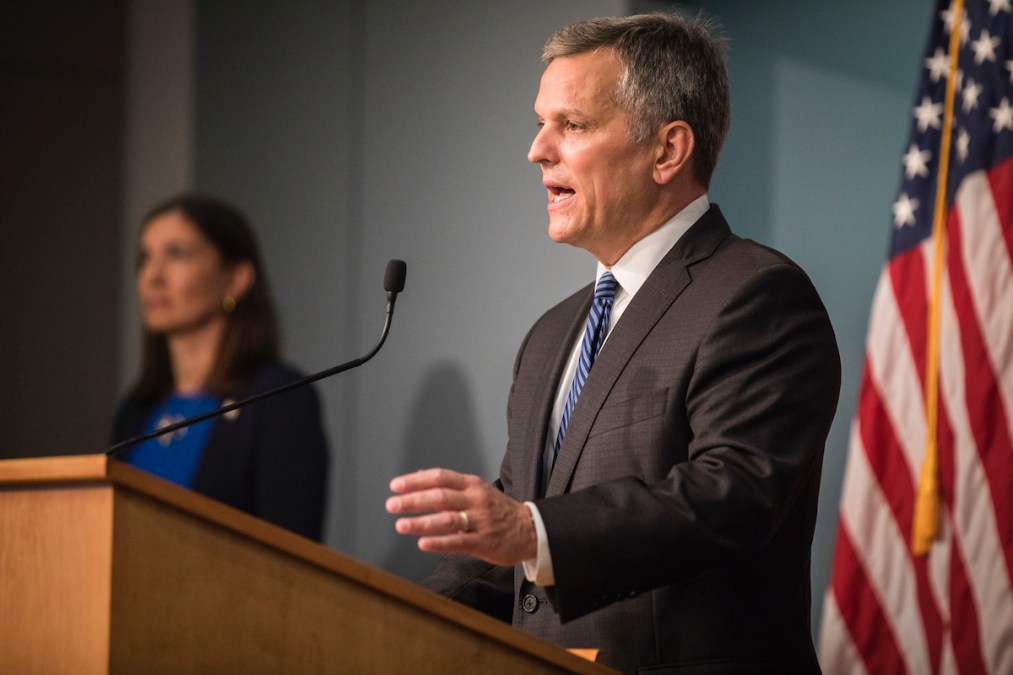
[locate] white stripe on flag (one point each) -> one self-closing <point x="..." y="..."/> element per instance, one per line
<point x="837" y="652"/>
<point x="881" y="547"/>
<point x="990" y="277"/>
<point x="974" y="517"/>
<point x="893" y="369"/>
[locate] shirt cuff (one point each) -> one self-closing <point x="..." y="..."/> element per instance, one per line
<point x="539" y="570"/>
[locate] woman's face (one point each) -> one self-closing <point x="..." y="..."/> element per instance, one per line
<point x="180" y="276"/>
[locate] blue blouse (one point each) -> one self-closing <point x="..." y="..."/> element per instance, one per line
<point x="175" y="455"/>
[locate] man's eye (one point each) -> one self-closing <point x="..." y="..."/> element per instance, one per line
<point x="573" y="126"/>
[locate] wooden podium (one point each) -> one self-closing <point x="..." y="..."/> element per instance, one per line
<point x="105" y="569"/>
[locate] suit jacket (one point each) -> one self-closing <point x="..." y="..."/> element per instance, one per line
<point x="270" y="460"/>
<point x="681" y="508"/>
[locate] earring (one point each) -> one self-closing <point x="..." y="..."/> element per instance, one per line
<point x="228" y="304"/>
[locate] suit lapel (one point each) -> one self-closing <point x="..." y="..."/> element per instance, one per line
<point x="564" y="335"/>
<point x="653" y="300"/>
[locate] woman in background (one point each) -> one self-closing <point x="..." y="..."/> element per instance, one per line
<point x="211" y="338"/>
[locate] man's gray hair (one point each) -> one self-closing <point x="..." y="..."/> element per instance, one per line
<point x="673" y="69"/>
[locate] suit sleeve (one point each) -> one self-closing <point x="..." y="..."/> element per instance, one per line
<point x="758" y="403"/>
<point x="129" y="422"/>
<point x="475" y="583"/>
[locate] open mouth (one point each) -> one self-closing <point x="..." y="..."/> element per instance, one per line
<point x="558" y="193"/>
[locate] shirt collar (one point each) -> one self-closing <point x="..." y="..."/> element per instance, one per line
<point x="639" y="261"/>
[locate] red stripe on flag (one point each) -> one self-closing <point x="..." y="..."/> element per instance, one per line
<point x="1000" y="180"/>
<point x="965" y="631"/>
<point x="886" y="458"/>
<point x="985" y="412"/>
<point x="889" y="464"/>
<point x="871" y="633"/>
<point x="907" y="278"/>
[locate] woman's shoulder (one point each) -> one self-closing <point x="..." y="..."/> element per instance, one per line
<point x="130" y="416"/>
<point x="293" y="406"/>
<point x="278" y="374"/>
<point x="274" y="374"/>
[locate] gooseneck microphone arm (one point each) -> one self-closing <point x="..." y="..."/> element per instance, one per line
<point x="393" y="283"/>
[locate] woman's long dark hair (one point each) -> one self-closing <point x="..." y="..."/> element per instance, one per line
<point x="250" y="338"/>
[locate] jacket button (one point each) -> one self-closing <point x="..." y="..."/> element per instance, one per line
<point x="529" y="604"/>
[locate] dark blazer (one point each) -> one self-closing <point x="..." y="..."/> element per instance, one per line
<point x="681" y="509"/>
<point x="270" y="460"/>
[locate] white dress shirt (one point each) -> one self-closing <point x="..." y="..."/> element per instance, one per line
<point x="630" y="272"/>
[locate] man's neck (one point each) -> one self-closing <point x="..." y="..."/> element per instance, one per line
<point x="664" y="211"/>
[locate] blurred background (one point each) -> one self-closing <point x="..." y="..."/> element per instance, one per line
<point x="353" y="132"/>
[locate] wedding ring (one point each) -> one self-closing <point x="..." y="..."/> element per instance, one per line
<point x="464" y="521"/>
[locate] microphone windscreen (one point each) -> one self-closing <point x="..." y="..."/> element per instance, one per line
<point x="393" y="280"/>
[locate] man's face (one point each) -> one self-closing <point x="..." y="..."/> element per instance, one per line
<point x="599" y="183"/>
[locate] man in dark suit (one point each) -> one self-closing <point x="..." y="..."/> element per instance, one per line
<point x="662" y="508"/>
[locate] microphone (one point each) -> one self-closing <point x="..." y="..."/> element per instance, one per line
<point x="393" y="283"/>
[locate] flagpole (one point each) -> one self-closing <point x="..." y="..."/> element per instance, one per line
<point x="925" y="527"/>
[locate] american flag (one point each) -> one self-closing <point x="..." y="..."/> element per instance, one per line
<point x="944" y="318"/>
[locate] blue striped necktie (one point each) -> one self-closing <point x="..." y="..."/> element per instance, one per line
<point x="594" y="336"/>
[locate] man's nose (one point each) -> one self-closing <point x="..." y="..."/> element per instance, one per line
<point x="541" y="148"/>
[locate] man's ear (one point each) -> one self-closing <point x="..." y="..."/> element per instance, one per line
<point x="242" y="279"/>
<point x="675" y="143"/>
